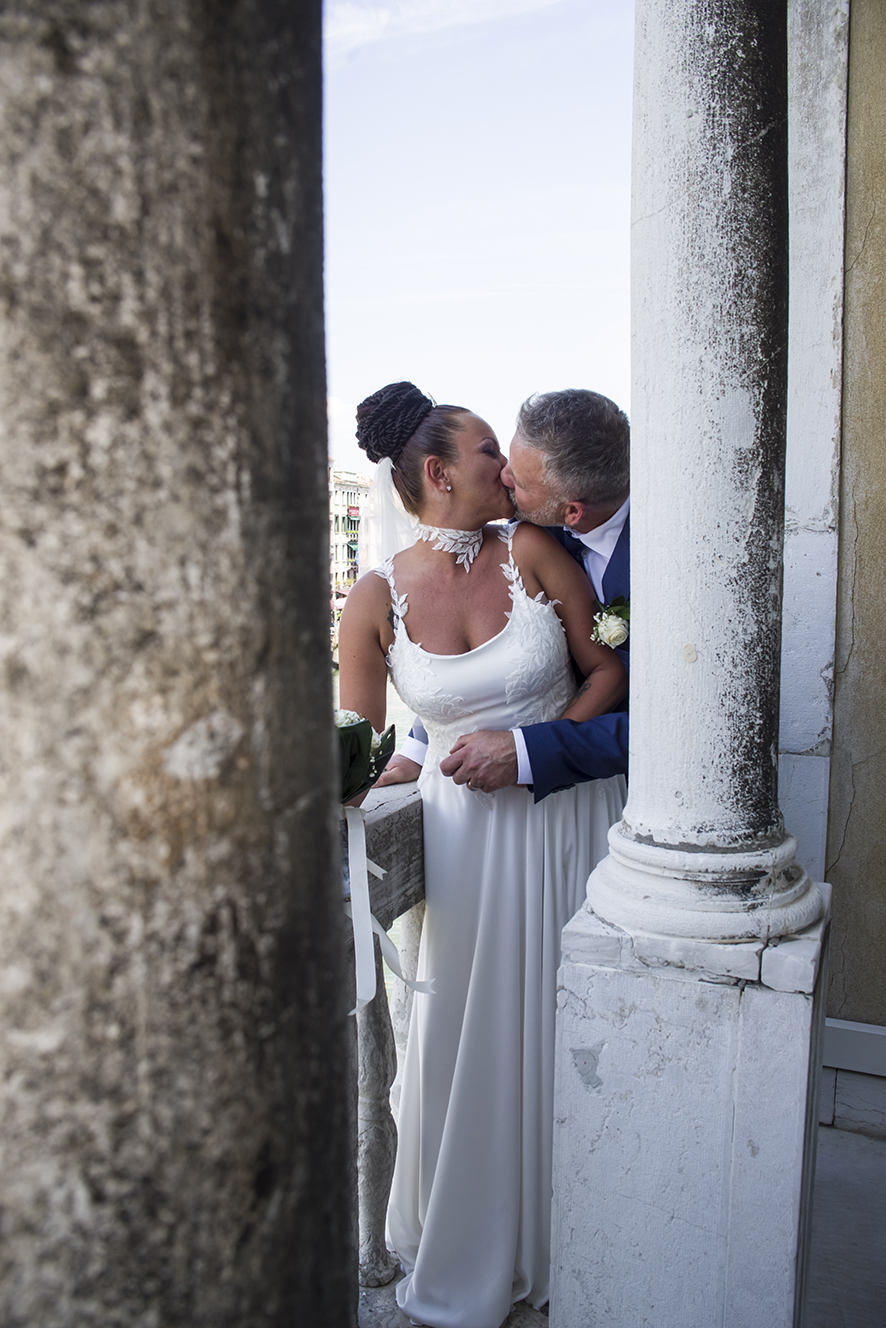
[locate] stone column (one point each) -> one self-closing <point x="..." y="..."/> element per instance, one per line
<point x="682" y="1125"/>
<point x="172" y="1009"/>
<point x="702" y="849"/>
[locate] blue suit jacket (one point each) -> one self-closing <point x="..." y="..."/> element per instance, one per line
<point x="564" y="752"/>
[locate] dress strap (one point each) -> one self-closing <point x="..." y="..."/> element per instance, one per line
<point x="507" y="537"/>
<point x="398" y="602"/>
<point x="512" y="571"/>
<point x="510" y="568"/>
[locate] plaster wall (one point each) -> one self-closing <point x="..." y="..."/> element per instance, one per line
<point x="817" y="53"/>
<point x="857" y="819"/>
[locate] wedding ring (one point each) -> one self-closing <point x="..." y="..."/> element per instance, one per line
<point x="475" y="788"/>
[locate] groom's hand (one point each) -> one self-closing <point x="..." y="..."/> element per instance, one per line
<point x="486" y="760"/>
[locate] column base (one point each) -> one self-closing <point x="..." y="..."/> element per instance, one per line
<point x="755" y="894"/>
<point x="684" y="1127"/>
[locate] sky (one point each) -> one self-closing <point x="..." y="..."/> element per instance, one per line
<point x="477" y="196"/>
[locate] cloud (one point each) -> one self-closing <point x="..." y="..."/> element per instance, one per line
<point x="349" y="24"/>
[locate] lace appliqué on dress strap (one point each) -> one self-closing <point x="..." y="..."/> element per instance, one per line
<point x="398" y="602"/>
<point x="512" y="571"/>
<point x="541" y="674"/>
<point x="412" y="669"/>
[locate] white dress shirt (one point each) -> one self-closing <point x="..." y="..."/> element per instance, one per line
<point x="600" y="543"/>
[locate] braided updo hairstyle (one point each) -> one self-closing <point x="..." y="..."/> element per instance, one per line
<point x="400" y="422"/>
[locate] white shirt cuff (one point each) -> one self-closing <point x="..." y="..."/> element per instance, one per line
<point x="524" y="769"/>
<point x="411" y="747"/>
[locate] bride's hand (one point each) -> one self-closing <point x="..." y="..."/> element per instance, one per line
<point x="399" y="770"/>
<point x="486" y="760"/>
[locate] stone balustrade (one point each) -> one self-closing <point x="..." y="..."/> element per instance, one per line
<point x="394" y="842"/>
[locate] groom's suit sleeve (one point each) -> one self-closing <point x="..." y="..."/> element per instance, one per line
<point x="564" y="752"/>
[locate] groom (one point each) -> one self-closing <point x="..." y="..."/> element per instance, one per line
<point x="568" y="470"/>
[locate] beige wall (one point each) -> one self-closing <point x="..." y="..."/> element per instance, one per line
<point x="857" y="823"/>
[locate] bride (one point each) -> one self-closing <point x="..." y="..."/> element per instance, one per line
<point x="476" y="624"/>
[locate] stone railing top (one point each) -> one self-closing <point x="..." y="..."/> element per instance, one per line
<point x="379" y="803"/>
<point x="394" y="841"/>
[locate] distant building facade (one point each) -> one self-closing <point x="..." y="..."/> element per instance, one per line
<point x="348" y="493"/>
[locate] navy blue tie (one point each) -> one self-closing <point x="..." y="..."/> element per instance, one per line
<point x="573" y="545"/>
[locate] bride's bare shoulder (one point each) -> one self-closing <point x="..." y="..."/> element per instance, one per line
<point x="368" y="596"/>
<point x="532" y="539"/>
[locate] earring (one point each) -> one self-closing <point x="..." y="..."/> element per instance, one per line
<point x="449" y="488"/>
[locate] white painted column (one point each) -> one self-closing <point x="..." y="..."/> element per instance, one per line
<point x="702" y="849"/>
<point x="681" y="1154"/>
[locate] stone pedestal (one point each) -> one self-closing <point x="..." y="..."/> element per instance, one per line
<point x="684" y="1148"/>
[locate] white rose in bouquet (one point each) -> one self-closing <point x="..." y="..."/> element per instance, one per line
<point x="345" y="717"/>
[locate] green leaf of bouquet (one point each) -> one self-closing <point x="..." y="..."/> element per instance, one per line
<point x="354" y="743"/>
<point x="375" y="762"/>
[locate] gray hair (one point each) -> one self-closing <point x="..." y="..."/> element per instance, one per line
<point x="585" y="440"/>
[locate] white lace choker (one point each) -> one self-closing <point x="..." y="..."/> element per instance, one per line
<point x="465" y="543"/>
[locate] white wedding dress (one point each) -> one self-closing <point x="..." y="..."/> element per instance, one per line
<point x="469" y="1215"/>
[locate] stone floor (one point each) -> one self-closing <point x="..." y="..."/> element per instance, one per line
<point x="847" y="1278"/>
<point x="847" y="1283"/>
<point x="378" y="1309"/>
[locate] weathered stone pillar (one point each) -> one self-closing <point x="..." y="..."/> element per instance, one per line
<point x="702" y="850"/>
<point x="172" y="1011"/>
<point x="683" y="1137"/>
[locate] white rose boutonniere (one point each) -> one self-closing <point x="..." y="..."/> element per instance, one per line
<point x="611" y="623"/>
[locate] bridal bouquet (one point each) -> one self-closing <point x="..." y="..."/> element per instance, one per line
<point x="363" y="753"/>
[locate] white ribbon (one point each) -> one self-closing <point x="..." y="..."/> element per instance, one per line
<point x="392" y="959"/>
<point x="362" y="920"/>
<point x="364" y="950"/>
